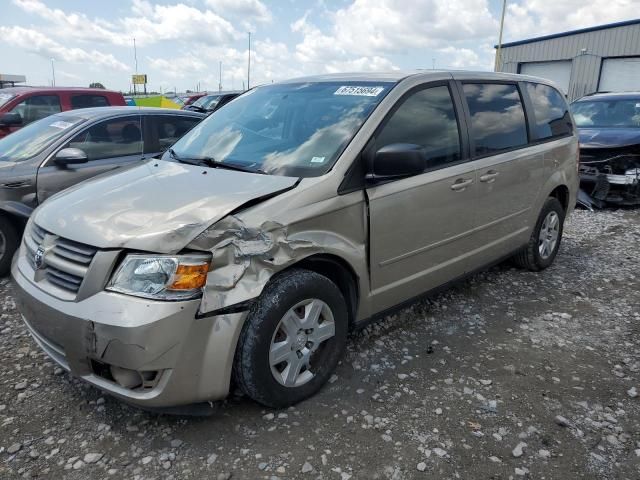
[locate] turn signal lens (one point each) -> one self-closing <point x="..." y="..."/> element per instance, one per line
<point x="189" y="277"/>
<point x="162" y="277"/>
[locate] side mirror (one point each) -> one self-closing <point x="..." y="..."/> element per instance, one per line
<point x="10" y="119"/>
<point x="398" y="160"/>
<point x="70" y="156"/>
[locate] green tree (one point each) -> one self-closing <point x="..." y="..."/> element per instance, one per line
<point x="96" y="85"/>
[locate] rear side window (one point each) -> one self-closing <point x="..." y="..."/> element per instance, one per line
<point x="497" y="117"/>
<point x="88" y="101"/>
<point x="119" y="137"/>
<point x="170" y="128"/>
<point x="426" y="118"/>
<point x="37" y="107"/>
<point x="550" y="111"/>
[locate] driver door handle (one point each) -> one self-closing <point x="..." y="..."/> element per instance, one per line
<point x="460" y="184"/>
<point x="489" y="177"/>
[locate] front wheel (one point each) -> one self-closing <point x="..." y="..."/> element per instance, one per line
<point x="292" y="340"/>
<point x="545" y="239"/>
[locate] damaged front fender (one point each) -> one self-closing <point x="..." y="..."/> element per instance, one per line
<point x="245" y="258"/>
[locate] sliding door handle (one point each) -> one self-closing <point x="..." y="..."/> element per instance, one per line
<point x="489" y="177"/>
<point x="460" y="184"/>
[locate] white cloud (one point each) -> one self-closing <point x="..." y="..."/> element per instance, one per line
<point x="361" y="64"/>
<point x="378" y="27"/>
<point x="154" y="23"/>
<point x="38" y="43"/>
<point x="72" y="24"/>
<point x="460" y="58"/>
<point x="181" y="67"/>
<point x="253" y="10"/>
<point x="532" y="18"/>
<point x="364" y="34"/>
<point x="270" y="61"/>
<point x="149" y="24"/>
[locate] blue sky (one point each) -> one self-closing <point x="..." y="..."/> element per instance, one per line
<point x="181" y="42"/>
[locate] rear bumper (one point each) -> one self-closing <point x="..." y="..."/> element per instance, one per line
<point x="188" y="360"/>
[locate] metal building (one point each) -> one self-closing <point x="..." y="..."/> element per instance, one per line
<point x="603" y="58"/>
<point x="11" y="80"/>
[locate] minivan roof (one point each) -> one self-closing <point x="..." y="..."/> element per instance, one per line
<point x="397" y="76"/>
<point x="104" y="112"/>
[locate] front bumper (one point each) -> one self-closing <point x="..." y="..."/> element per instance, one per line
<point x="190" y="358"/>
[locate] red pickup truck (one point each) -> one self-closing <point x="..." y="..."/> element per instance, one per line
<point x="20" y="106"/>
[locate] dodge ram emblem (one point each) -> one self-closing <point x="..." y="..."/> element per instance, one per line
<point x="38" y="258"/>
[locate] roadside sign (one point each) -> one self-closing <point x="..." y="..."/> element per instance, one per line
<point x="139" y="79"/>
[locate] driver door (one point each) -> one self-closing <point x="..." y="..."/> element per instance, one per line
<point x="422" y="227"/>
<point x="108" y="144"/>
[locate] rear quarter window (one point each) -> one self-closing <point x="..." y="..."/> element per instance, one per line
<point x="497" y="117"/>
<point x="550" y="111"/>
<point x="88" y="101"/>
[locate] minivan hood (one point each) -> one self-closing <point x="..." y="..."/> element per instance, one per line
<point x="608" y="137"/>
<point x="156" y="206"/>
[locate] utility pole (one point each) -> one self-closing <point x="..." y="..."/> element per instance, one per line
<point x="220" y="81"/>
<point x="135" y="55"/>
<point x="53" y="74"/>
<point x="135" y="59"/>
<point x="499" y="50"/>
<point x="249" y="64"/>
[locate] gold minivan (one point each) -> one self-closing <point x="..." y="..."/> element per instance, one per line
<point x="295" y="213"/>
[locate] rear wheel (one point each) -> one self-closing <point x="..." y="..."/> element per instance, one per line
<point x="9" y="239"/>
<point x="545" y="239"/>
<point x="292" y="340"/>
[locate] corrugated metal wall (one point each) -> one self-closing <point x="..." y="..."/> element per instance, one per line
<point x="618" y="41"/>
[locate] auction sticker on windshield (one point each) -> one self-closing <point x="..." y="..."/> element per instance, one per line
<point x="360" y="91"/>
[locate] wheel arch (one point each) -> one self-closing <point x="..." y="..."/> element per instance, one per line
<point x="339" y="272"/>
<point x="561" y="192"/>
<point x="17" y="213"/>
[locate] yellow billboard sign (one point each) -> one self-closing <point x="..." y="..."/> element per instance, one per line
<point x="139" y="79"/>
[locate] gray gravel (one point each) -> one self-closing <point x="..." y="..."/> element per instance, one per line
<point x="511" y="374"/>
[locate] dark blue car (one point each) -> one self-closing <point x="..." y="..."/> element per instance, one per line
<point x="609" y="127"/>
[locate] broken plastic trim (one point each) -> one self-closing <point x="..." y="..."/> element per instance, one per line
<point x="609" y="177"/>
<point x="237" y="308"/>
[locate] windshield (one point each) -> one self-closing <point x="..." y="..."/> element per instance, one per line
<point x="206" y="101"/>
<point x="286" y="129"/>
<point x="5" y="97"/>
<point x="35" y="137"/>
<point x="607" y="113"/>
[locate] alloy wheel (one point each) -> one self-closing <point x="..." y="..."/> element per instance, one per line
<point x="299" y="339"/>
<point x="549" y="234"/>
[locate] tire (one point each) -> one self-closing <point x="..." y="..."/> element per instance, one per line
<point x="268" y="336"/>
<point x="531" y="256"/>
<point x="9" y="240"/>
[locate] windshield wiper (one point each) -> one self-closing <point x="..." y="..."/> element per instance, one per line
<point x="213" y="163"/>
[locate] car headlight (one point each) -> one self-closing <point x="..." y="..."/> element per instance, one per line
<point x="170" y="277"/>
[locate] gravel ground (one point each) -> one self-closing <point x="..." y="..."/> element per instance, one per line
<point x="511" y="374"/>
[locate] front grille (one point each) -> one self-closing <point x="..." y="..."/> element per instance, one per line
<point x="65" y="262"/>
<point x="64" y="280"/>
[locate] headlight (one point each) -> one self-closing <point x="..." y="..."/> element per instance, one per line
<point x="171" y="277"/>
